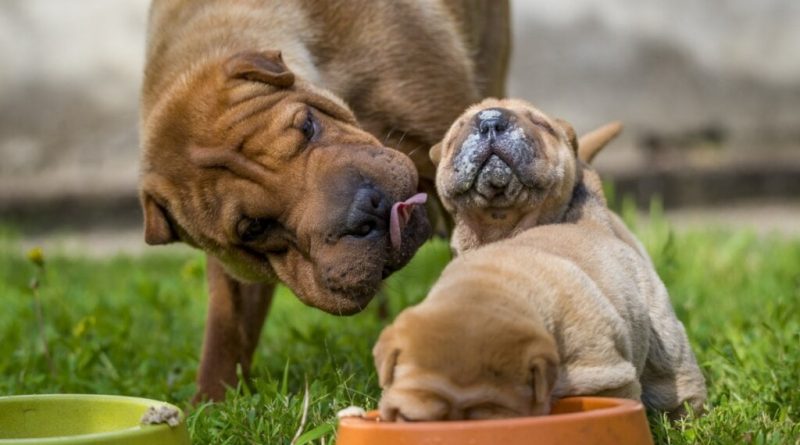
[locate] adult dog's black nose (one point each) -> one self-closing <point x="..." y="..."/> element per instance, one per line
<point x="493" y="121"/>
<point x="368" y="214"/>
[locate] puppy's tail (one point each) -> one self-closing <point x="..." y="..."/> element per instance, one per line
<point x="592" y="142"/>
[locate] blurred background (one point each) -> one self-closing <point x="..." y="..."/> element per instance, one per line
<point x="709" y="93"/>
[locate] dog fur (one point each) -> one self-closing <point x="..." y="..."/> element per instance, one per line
<point x="263" y="121"/>
<point x="550" y="296"/>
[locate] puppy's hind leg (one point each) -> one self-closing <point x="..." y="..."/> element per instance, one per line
<point x="671" y="377"/>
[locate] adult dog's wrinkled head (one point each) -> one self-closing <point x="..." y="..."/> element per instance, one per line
<point x="505" y="158"/>
<point x="454" y="363"/>
<point x="275" y="178"/>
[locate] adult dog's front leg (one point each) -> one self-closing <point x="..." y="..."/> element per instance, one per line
<point x="236" y="313"/>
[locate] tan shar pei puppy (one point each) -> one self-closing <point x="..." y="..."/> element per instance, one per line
<point x="551" y="295"/>
<point x="266" y="127"/>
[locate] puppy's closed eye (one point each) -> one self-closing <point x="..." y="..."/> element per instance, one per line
<point x="540" y="122"/>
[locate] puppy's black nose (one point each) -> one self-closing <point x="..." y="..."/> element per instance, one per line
<point x="493" y="121"/>
<point x="368" y="214"/>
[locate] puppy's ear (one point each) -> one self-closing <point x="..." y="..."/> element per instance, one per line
<point x="544" y="371"/>
<point x="570" y="132"/>
<point x="260" y="66"/>
<point x="385" y="354"/>
<point x="157" y="227"/>
<point x="591" y="143"/>
<point x="436" y="154"/>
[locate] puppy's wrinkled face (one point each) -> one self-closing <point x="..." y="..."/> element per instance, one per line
<point x="505" y="154"/>
<point x="441" y="366"/>
<point x="275" y="178"/>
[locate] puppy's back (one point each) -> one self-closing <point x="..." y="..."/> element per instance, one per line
<point x="601" y="298"/>
<point x="588" y="288"/>
<point x="585" y="284"/>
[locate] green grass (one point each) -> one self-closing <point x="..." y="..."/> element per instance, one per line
<point x="134" y="326"/>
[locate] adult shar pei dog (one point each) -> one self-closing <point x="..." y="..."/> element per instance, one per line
<point x="279" y="136"/>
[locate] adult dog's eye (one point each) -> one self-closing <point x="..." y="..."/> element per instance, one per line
<point x="252" y="229"/>
<point x="309" y="127"/>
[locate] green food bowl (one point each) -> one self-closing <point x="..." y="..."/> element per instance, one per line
<point x="69" y="419"/>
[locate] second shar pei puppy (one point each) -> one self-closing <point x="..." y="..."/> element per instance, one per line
<point x="551" y="295"/>
<point x="266" y="127"/>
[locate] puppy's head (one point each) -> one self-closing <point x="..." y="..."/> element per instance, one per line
<point x="275" y="178"/>
<point x="505" y="158"/>
<point x="454" y="364"/>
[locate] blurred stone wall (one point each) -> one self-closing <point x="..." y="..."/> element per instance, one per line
<point x="68" y="94"/>
<point x="675" y="71"/>
<point x="723" y="70"/>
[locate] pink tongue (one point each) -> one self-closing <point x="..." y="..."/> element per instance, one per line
<point x="401" y="213"/>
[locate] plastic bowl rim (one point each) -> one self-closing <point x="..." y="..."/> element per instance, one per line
<point x="132" y="431"/>
<point x="620" y="407"/>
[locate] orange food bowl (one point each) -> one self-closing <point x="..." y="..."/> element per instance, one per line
<point x="574" y="420"/>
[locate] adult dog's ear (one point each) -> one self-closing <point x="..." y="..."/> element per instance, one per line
<point x="385" y="354"/>
<point x="157" y="228"/>
<point x="436" y="154"/>
<point x="570" y="132"/>
<point x="260" y="66"/>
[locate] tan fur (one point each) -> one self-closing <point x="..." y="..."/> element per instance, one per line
<point x="591" y="143"/>
<point x="564" y="284"/>
<point x="562" y="161"/>
<point x="228" y="87"/>
<point x="478" y="222"/>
